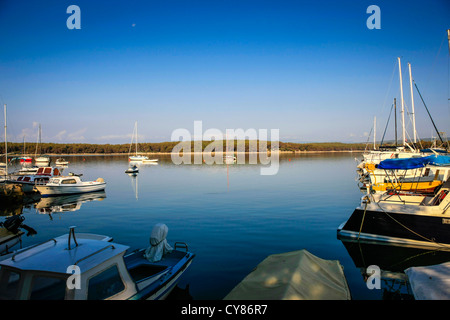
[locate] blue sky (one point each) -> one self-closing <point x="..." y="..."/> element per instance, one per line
<point x="311" y="69"/>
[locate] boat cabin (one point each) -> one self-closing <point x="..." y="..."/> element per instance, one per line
<point x="44" y="271"/>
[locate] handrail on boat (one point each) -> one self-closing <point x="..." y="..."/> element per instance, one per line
<point x="182" y="245"/>
<point x="94" y="253"/>
<point x="34" y="246"/>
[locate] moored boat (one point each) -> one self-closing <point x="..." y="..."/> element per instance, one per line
<point x="70" y="185"/>
<point x="61" y="162"/>
<point x="105" y="271"/>
<point x="41" y="177"/>
<point x="402" y="217"/>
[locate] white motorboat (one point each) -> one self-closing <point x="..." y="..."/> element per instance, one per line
<point x="103" y="270"/>
<point x="69" y="185"/>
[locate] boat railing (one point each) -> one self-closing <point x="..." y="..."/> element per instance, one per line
<point x="181" y="245"/>
<point x="13" y="258"/>
<point x="94" y="253"/>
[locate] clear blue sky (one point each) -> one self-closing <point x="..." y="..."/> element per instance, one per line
<point x="311" y="69"/>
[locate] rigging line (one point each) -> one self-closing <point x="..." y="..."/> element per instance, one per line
<point x="382" y="139"/>
<point x="428" y="112"/>
<point x="410" y="230"/>
<point x="390" y="85"/>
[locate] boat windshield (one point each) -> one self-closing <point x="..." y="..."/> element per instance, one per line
<point x="39" y="286"/>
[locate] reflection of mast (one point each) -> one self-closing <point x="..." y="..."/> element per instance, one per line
<point x="135" y="186"/>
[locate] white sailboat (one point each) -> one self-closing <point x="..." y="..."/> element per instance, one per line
<point x="136" y="156"/>
<point x="41" y="160"/>
<point x="367" y="167"/>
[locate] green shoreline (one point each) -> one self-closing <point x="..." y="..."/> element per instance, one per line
<point x="161" y="148"/>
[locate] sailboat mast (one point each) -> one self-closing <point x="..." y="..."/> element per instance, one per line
<point x="412" y="103"/>
<point x="135" y="125"/>
<point x="395" y="113"/>
<point x="403" y="104"/>
<point x="6" y="146"/>
<point x="374" y="132"/>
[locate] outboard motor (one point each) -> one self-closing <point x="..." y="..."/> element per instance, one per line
<point x="13" y="223"/>
<point x="158" y="243"/>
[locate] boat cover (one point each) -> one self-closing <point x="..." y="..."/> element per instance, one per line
<point x="297" y="275"/>
<point x="413" y="163"/>
<point x="158" y="243"/>
<point x="430" y="282"/>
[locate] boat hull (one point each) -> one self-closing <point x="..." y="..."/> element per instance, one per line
<point x="67" y="189"/>
<point x="402" y="228"/>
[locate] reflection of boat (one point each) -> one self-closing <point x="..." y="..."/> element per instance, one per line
<point x="392" y="260"/>
<point x="61" y="162"/>
<point x="69" y="185"/>
<point x="402" y="217"/>
<point x="102" y="270"/>
<point x="297" y="275"/>
<point x="66" y="203"/>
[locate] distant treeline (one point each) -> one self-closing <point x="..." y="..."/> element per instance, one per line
<point x="166" y="147"/>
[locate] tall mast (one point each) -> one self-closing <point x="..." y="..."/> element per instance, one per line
<point x="374" y="132"/>
<point x="395" y="113"/>
<point x="6" y="146"/>
<point x="412" y="103"/>
<point x="403" y="104"/>
<point x="136" y="136"/>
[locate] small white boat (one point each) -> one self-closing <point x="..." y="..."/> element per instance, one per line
<point x="61" y="162"/>
<point x="137" y="158"/>
<point x="103" y="270"/>
<point x="42" y="161"/>
<point x="132" y="169"/>
<point x="69" y="185"/>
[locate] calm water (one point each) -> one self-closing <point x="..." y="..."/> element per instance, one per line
<point x="231" y="218"/>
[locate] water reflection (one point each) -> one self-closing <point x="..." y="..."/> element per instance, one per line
<point x="392" y="260"/>
<point x="67" y="203"/>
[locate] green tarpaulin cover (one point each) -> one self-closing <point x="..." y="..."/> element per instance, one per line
<point x="297" y="275"/>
